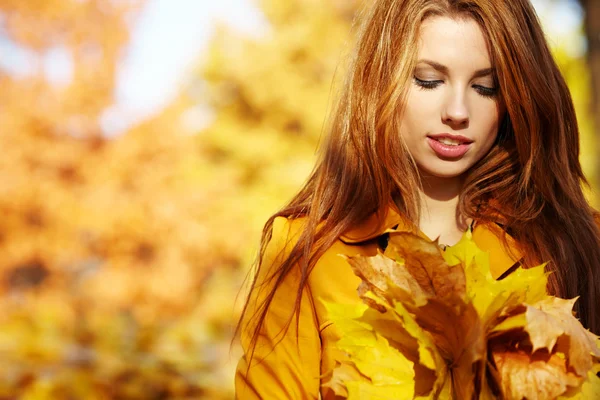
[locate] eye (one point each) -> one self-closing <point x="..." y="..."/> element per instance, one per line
<point x="486" y="91"/>
<point x="427" y="85"/>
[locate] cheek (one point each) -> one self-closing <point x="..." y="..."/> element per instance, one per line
<point x="488" y="124"/>
<point x="418" y="111"/>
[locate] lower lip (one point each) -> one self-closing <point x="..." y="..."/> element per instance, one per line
<point x="447" y="151"/>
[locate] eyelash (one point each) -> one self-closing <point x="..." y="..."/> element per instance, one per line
<point x="482" y="90"/>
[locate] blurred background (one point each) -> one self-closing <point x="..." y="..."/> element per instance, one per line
<point x="144" y="144"/>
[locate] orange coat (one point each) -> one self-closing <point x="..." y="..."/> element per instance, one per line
<point x="294" y="369"/>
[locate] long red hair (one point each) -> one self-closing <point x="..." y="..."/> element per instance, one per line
<point x="531" y="180"/>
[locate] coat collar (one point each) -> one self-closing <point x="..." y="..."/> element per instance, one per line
<point x="488" y="237"/>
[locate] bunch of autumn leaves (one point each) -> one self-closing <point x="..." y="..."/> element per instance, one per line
<point x="437" y="325"/>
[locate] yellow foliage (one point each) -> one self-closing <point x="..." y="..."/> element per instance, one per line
<point x="110" y="270"/>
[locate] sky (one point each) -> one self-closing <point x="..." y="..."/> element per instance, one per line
<point x="167" y="41"/>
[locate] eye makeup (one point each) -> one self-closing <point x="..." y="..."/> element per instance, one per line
<point x="484" y="91"/>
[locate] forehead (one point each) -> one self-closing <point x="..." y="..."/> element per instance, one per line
<point x="455" y="42"/>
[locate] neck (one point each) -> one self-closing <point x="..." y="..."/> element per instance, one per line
<point x="439" y="200"/>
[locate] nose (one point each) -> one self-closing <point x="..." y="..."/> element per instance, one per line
<point x="456" y="113"/>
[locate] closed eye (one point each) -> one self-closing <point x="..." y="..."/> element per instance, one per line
<point x="430" y="85"/>
<point x="486" y="91"/>
<point x="427" y="85"/>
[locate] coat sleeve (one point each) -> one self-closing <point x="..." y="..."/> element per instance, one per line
<point x="285" y="367"/>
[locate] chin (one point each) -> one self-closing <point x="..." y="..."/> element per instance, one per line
<point x="447" y="170"/>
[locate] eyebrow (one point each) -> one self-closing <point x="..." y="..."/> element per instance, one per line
<point x="443" y="69"/>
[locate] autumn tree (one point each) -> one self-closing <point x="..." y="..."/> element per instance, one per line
<point x="107" y="280"/>
<point x="270" y="96"/>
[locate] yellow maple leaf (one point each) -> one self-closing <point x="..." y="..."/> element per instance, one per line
<point x="375" y="365"/>
<point x="487" y="294"/>
<point x="461" y="332"/>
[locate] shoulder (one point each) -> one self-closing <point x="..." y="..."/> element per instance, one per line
<point x="331" y="278"/>
<point x="331" y="263"/>
<point x="286" y="232"/>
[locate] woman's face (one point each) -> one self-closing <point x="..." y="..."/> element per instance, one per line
<point x="453" y="109"/>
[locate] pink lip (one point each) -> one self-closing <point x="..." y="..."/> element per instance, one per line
<point x="446" y="151"/>
<point x="460" y="138"/>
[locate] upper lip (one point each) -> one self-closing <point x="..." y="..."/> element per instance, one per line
<point x="459" y="138"/>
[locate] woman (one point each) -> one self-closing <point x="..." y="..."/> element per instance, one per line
<point x="453" y="113"/>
